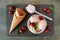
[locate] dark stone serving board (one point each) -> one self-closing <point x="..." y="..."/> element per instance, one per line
<point x="24" y="22"/>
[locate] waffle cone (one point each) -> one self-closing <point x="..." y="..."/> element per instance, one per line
<point x="19" y="15"/>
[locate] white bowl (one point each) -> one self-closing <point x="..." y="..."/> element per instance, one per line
<point x="42" y="24"/>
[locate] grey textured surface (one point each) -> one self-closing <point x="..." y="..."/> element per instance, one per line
<point x="3" y="4"/>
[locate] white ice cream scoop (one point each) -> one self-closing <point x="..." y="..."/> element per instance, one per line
<point x="31" y="9"/>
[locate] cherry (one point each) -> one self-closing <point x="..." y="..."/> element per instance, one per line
<point x="46" y="31"/>
<point x="32" y="24"/>
<point x="48" y="11"/>
<point x="10" y="12"/>
<point x="24" y="28"/>
<point x="44" y="9"/>
<point x="11" y="7"/>
<point x="21" y="31"/>
<point x="41" y="17"/>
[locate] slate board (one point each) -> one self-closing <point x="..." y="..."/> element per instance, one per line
<point x="24" y="22"/>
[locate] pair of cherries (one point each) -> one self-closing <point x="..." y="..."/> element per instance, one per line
<point x="46" y="10"/>
<point x="23" y="29"/>
<point x="11" y="8"/>
<point x="47" y="29"/>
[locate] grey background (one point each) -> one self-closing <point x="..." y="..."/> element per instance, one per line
<point x="3" y="4"/>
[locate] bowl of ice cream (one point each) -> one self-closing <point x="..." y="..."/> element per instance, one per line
<point x="36" y="24"/>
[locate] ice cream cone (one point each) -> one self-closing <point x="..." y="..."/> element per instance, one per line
<point x="19" y="15"/>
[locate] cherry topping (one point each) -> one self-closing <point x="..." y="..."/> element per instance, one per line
<point x="41" y="17"/>
<point x="10" y="12"/>
<point x="11" y="7"/>
<point x="44" y="9"/>
<point x="48" y="11"/>
<point x="32" y="24"/>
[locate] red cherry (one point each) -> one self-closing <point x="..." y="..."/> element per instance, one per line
<point x="46" y="31"/>
<point x="44" y="9"/>
<point x="48" y="11"/>
<point x="21" y="31"/>
<point x="41" y="17"/>
<point x="11" y="7"/>
<point x="24" y="28"/>
<point x="10" y="12"/>
<point x="32" y="24"/>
